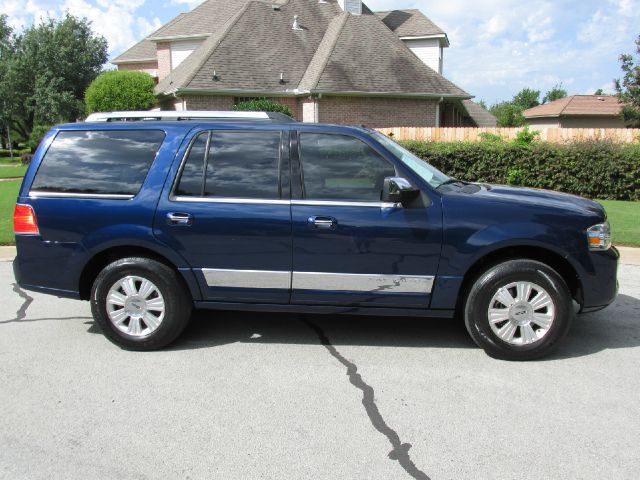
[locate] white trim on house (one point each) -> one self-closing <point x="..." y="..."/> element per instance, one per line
<point x="440" y="36"/>
<point x="138" y="60"/>
<point x="202" y="36"/>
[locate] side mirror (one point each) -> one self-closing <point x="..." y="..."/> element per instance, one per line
<point x="398" y="190"/>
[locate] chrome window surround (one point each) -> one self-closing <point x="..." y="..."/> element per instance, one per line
<point x="337" y="282"/>
<point x="105" y="196"/>
<point x="312" y="203"/>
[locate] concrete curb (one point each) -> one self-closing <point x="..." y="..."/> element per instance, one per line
<point x="629" y="255"/>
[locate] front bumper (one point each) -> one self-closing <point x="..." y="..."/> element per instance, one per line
<point x="600" y="280"/>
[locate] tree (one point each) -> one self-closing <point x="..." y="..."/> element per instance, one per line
<point x="556" y="93"/>
<point x="263" y="105"/>
<point x="628" y="87"/>
<point x="120" y="91"/>
<point x="49" y="67"/>
<point x="6" y="34"/>
<point x="508" y="114"/>
<point x="527" y="98"/>
<point x="599" y="92"/>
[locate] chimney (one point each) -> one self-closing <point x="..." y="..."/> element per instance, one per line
<point x="351" y="6"/>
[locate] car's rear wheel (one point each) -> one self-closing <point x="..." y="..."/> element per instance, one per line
<point x="140" y="303"/>
<point x="519" y="310"/>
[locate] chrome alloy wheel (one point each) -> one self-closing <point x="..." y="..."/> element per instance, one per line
<point x="521" y="313"/>
<point x="135" y="306"/>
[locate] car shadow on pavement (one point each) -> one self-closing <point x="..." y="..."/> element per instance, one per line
<point x="613" y="328"/>
<point x="210" y="329"/>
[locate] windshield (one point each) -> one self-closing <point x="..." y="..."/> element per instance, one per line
<point x="429" y="174"/>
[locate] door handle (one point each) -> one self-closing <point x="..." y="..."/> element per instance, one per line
<point x="179" y="219"/>
<point x="322" y="223"/>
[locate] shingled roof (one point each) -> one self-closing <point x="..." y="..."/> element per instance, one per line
<point x="578" y="105"/>
<point x="480" y="116"/>
<point x="410" y="23"/>
<point x="334" y="52"/>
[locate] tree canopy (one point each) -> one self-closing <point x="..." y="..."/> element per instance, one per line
<point x="509" y="114"/>
<point x="46" y="69"/>
<point x="120" y="91"/>
<point x="556" y="93"/>
<point x="628" y="87"/>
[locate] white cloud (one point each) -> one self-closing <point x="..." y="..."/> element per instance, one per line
<point x="501" y="46"/>
<point x="121" y="22"/>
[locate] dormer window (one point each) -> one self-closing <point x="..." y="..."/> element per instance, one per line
<point x="351" y="6"/>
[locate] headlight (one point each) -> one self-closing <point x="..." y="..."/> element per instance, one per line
<point x="599" y="237"/>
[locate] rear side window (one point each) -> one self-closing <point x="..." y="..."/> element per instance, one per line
<point x="236" y="165"/>
<point x="98" y="162"/>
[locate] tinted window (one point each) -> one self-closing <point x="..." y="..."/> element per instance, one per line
<point x="239" y="165"/>
<point x="191" y="182"/>
<point x="98" y="162"/>
<point x="338" y="167"/>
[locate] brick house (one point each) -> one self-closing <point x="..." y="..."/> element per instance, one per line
<point x="330" y="61"/>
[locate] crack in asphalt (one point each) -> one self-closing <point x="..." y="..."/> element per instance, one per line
<point x="21" y="314"/>
<point x="400" y="451"/>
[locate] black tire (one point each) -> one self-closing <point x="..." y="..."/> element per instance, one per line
<point x="177" y="302"/>
<point x="481" y="295"/>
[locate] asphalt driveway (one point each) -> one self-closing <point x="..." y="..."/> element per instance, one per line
<point x="256" y="396"/>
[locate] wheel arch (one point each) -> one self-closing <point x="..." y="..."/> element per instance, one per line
<point x="523" y="252"/>
<point x="103" y="258"/>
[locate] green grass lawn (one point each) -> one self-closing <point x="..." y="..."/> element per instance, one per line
<point x="8" y="195"/>
<point x="625" y="221"/>
<point x="13" y="171"/>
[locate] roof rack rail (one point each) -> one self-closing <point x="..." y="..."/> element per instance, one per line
<point x="187" y="115"/>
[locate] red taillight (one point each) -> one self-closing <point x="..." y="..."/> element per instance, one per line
<point x="24" y="220"/>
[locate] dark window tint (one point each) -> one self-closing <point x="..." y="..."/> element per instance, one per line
<point x="191" y="182"/>
<point x="98" y="162"/>
<point x="338" y="167"/>
<point x="239" y="165"/>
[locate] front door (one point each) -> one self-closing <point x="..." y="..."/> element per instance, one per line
<point x="349" y="248"/>
<point x="228" y="214"/>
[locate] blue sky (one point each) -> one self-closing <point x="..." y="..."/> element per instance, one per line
<point x="497" y="46"/>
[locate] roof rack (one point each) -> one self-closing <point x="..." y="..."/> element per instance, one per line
<point x="187" y="115"/>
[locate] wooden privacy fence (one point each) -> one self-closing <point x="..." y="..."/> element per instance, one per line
<point x="553" y="135"/>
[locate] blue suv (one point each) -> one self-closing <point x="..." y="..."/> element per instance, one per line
<point x="149" y="219"/>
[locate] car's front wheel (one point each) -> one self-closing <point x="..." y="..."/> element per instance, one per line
<point x="140" y="303"/>
<point x="519" y="310"/>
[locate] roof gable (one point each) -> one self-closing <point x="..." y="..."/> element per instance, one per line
<point x="250" y="43"/>
<point x="368" y="57"/>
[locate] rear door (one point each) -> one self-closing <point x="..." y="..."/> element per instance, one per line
<point x="228" y="214"/>
<point x="349" y="248"/>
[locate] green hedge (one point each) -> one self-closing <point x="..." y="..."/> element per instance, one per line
<point x="593" y="169"/>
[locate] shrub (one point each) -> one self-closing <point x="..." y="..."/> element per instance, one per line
<point x="36" y="136"/>
<point x="120" y="90"/>
<point x="263" y="105"/>
<point x="527" y="137"/>
<point x="604" y="170"/>
<point x="490" y="137"/>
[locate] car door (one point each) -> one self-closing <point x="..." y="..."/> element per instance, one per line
<point x="349" y="248"/>
<point x="228" y="214"/>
